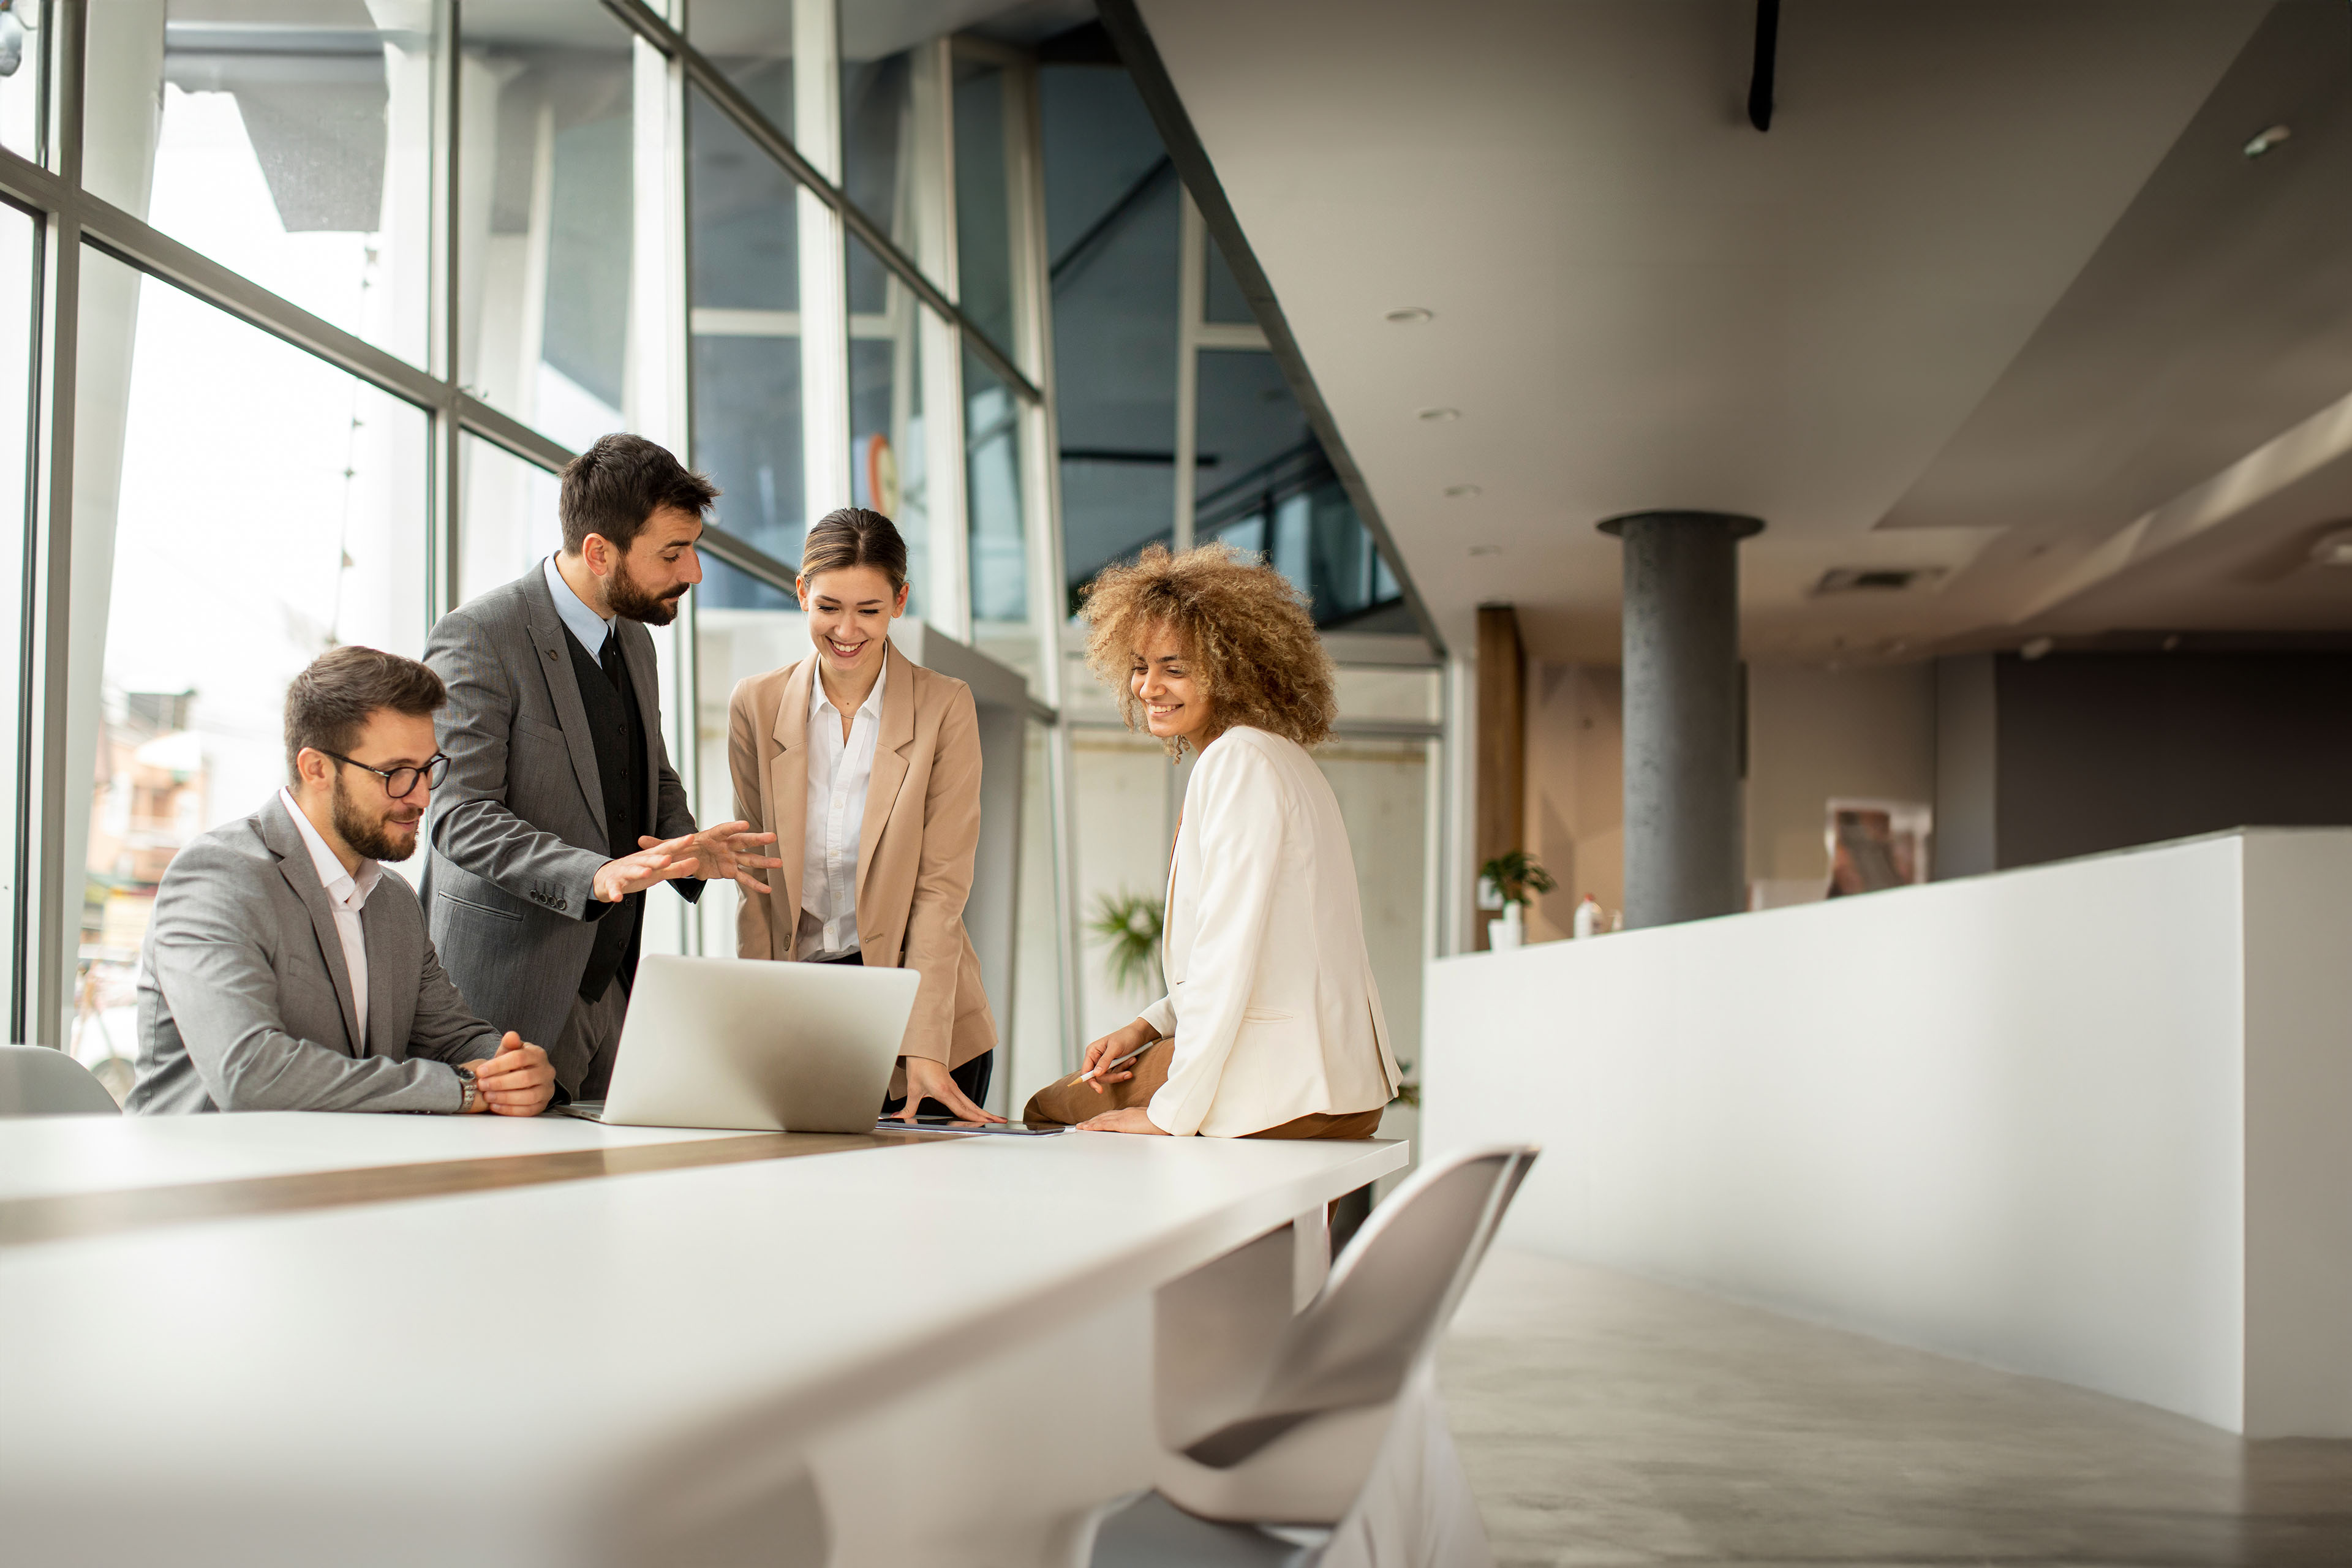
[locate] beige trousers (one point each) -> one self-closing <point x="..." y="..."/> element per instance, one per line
<point x="1071" y="1100"/>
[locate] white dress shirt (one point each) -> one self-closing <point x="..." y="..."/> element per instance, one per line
<point x="584" y="623"/>
<point x="347" y="895"/>
<point x="838" y="773"/>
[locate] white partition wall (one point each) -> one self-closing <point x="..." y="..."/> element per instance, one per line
<point x="2090" y="1120"/>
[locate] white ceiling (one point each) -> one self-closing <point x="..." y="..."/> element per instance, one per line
<point x="1996" y="290"/>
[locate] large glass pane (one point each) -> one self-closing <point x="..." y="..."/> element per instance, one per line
<point x="24" y="79"/>
<point x="744" y="238"/>
<point x="293" y="511"/>
<point x="983" y="161"/>
<point x="546" y="226"/>
<point x="891" y="147"/>
<point x="1267" y="486"/>
<point x="507" y="520"/>
<point x="991" y="432"/>
<point x="19" y="239"/>
<point x="743" y="627"/>
<point x="294" y="143"/>
<point x="894" y="346"/>
<point x="750" y="42"/>
<point x="1111" y="224"/>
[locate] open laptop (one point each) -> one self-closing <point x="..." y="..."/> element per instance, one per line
<point x="766" y="1048"/>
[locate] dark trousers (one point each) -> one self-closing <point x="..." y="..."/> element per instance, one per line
<point x="971" y="1077"/>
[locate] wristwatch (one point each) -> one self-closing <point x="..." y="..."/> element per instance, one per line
<point x="473" y="1091"/>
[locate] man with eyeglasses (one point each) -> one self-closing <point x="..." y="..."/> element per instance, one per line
<point x="283" y="970"/>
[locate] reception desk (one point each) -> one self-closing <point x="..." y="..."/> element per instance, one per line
<point x="299" y="1340"/>
<point x="2090" y="1121"/>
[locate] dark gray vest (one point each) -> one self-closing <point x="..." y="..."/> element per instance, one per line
<point x="620" y="732"/>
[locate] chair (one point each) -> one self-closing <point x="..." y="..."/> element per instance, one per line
<point x="36" y="1080"/>
<point x="1297" y="1450"/>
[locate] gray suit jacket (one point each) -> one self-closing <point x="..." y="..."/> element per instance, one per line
<point x="245" y="1002"/>
<point x="519" y="826"/>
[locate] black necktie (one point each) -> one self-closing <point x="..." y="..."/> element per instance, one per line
<point x="610" y="659"/>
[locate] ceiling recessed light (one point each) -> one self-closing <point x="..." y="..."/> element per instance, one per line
<point x="1485" y="550"/>
<point x="2268" y="140"/>
<point x="1458" y="491"/>
<point x="1441" y="415"/>
<point x="1409" y="315"/>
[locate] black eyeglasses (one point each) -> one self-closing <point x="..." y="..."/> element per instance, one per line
<point x="398" y="782"/>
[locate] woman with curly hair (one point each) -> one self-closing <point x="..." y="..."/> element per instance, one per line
<point x="1272" y="1025"/>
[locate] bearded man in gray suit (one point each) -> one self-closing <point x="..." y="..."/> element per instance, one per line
<point x="561" y="808"/>
<point x="283" y="970"/>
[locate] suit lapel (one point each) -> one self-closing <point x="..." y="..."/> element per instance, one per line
<point x="788" y="793"/>
<point x="889" y="758"/>
<point x="645" y="679"/>
<point x="547" y="634"/>
<point x="285" y="841"/>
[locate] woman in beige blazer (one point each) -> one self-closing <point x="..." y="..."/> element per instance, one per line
<point x="1271" y="1025"/>
<point x="866" y="769"/>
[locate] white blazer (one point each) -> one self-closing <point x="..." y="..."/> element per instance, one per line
<point x="1271" y="997"/>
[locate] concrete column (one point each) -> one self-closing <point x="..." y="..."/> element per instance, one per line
<point x="1683" y="856"/>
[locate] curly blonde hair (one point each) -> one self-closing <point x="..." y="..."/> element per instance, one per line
<point x="1259" y="659"/>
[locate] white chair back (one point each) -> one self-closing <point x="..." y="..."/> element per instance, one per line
<point x="1389" y="1296"/>
<point x="36" y="1080"/>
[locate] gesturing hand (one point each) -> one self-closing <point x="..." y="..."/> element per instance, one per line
<point x="658" y="861"/>
<point x="729" y="849"/>
<point x="518" y="1081"/>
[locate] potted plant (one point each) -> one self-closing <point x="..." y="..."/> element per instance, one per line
<point x="1127" y="924"/>
<point x="1505" y="882"/>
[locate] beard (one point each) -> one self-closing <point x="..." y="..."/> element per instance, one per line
<point x="629" y="598"/>
<point x="372" y="837"/>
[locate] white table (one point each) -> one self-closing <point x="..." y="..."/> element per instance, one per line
<point x="43" y="1157"/>
<point x="900" y="1342"/>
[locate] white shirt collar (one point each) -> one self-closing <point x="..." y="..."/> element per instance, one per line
<point x="586" y="625"/>
<point x="344" y="889"/>
<point x="873" y="703"/>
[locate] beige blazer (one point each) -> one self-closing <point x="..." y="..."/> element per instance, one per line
<point x="914" y="849"/>
<point x="1271" y="997"/>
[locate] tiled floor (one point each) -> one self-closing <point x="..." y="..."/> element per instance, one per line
<point x="1607" y="1421"/>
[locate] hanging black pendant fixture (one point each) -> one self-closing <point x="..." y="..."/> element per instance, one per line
<point x="1760" y="85"/>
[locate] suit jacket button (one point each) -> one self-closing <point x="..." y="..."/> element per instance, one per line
<point x="562" y="904"/>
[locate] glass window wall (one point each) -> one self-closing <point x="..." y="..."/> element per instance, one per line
<point x="300" y="145"/>
<point x="999" y="554"/>
<point x="986" y="160"/>
<point x="743" y="627"/>
<point x="512" y="521"/>
<point x="296" y="508"/>
<point x="19" y="243"/>
<point x="292" y="143"/>
<point x="899" y="357"/>
<point x="750" y="42"/>
<point x="547" y="220"/>
<point x="24" y="77"/>
<point x="1112" y="219"/>
<point x="744" y="244"/>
